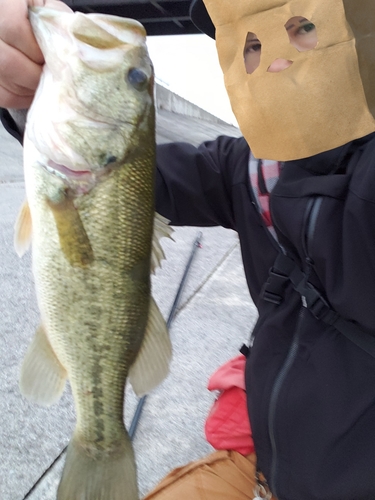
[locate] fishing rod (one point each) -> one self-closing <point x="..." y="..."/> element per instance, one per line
<point x="141" y="402"/>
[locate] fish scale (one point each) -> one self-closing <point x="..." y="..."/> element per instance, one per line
<point x="104" y="294"/>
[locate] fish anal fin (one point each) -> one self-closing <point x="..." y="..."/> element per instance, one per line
<point x="23" y="230"/>
<point x="152" y="363"/>
<point x="73" y="238"/>
<point x="43" y="377"/>
<point x="162" y="229"/>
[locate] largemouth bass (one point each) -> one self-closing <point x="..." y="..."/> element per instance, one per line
<point x="89" y="153"/>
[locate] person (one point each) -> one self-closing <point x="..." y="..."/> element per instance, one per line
<point x="300" y="82"/>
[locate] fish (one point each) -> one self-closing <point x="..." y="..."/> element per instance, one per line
<point x="89" y="161"/>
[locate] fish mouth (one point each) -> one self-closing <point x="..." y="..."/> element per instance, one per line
<point x="81" y="181"/>
<point x="63" y="171"/>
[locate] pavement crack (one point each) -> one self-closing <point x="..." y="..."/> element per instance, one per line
<point x="219" y="264"/>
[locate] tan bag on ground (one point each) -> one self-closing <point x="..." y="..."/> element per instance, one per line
<point x="222" y="475"/>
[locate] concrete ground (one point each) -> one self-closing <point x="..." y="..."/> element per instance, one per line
<point x="214" y="318"/>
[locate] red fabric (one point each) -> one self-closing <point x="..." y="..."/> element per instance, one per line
<point x="227" y="426"/>
<point x="230" y="374"/>
<point x="270" y="173"/>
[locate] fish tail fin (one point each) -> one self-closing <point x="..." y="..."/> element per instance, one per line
<point x="43" y="377"/>
<point x="94" y="475"/>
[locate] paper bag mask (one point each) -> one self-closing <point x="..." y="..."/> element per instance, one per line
<point x="324" y="99"/>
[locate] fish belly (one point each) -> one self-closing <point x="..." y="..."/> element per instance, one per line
<point x="95" y="313"/>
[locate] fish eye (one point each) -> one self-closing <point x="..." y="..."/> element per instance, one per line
<point x="137" y="78"/>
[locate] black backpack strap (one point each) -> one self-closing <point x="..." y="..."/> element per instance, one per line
<point x="285" y="270"/>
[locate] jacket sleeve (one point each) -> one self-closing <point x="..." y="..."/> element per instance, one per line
<point x="194" y="184"/>
<point x="10" y="125"/>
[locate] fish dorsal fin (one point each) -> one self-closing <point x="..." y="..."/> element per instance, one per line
<point x="152" y="363"/>
<point x="23" y="230"/>
<point x="162" y="229"/>
<point x="43" y="377"/>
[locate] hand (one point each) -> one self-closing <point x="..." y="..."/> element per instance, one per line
<point x="21" y="60"/>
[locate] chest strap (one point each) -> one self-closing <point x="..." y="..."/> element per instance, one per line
<point x="285" y="270"/>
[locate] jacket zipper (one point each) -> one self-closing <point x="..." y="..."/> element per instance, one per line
<point x="313" y="209"/>
<point x="310" y="219"/>
<point x="275" y="396"/>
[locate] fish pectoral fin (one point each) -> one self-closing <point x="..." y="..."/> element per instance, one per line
<point x="74" y="242"/>
<point x="162" y="229"/>
<point x="43" y="377"/>
<point x="152" y="363"/>
<point x="23" y="230"/>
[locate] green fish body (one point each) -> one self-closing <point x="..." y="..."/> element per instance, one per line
<point x="89" y="174"/>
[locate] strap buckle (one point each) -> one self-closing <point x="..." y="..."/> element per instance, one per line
<point x="273" y="288"/>
<point x="319" y="307"/>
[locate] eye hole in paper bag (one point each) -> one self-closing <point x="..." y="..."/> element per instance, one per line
<point x="252" y="52"/>
<point x="302" y="33"/>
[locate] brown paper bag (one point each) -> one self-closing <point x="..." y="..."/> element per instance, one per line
<point x="325" y="99"/>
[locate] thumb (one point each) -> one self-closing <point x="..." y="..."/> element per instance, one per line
<point x="50" y="4"/>
<point x="57" y="5"/>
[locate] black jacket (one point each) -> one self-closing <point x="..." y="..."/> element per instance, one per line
<point x="311" y="391"/>
<point x="209" y="186"/>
